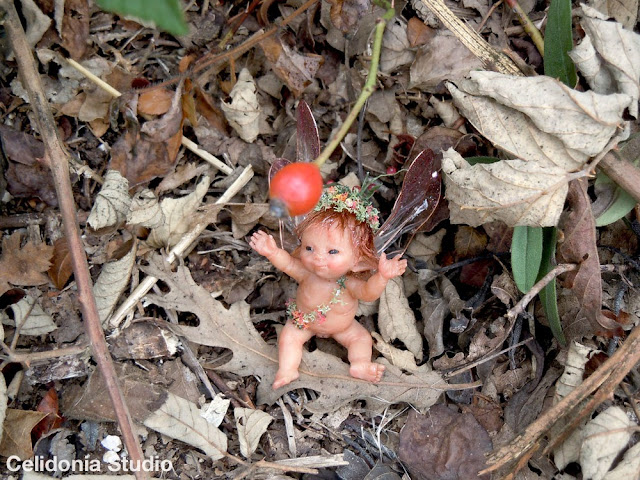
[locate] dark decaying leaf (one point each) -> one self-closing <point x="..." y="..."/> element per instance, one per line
<point x="75" y="27"/>
<point x="418" y="199"/>
<point x="293" y="68"/>
<point x="443" y="444"/>
<point x="307" y="138"/>
<point x="144" y="153"/>
<point x="61" y="267"/>
<point x="345" y="14"/>
<point x="26" y="175"/>
<point x="579" y="246"/>
<point x="53" y="420"/>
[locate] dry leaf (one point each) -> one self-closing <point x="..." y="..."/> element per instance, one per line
<point x="53" y="420"/>
<point x="180" y="419"/>
<point x="156" y="101"/>
<point x="3" y="397"/>
<point x="179" y="216"/>
<point x="604" y="438"/>
<point x="215" y="411"/>
<point x="395" y="51"/>
<point x="434" y="309"/>
<point x="26" y="175"/>
<point x="469" y="242"/>
<point x="599" y="56"/>
<point x="296" y="70"/>
<point x="61" y="267"/>
<point x="346" y="14"/>
<point x="403" y="359"/>
<point x="244" y="218"/>
<point x="232" y="328"/>
<point x="144" y="340"/>
<point x="75" y="28"/>
<point x="418" y="32"/>
<point x="29" y="317"/>
<point x="623" y="11"/>
<point x="513" y="191"/>
<point x="112" y="281"/>
<point x="112" y="204"/>
<point x="628" y="466"/>
<point x="579" y="246"/>
<point x="16" y="438"/>
<point x="396" y="319"/>
<point x="145" y="210"/>
<point x="26" y="265"/>
<point x="250" y="425"/>
<point x="37" y="22"/>
<point x="243" y="112"/>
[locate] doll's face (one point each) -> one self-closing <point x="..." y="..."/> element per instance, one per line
<point x="327" y="251"/>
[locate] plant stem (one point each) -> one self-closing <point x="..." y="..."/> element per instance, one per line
<point x="367" y="91"/>
<point x="528" y="25"/>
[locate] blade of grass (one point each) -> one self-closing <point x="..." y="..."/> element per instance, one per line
<point x="526" y="255"/>
<point x="558" y="41"/>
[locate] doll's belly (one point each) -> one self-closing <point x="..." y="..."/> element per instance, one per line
<point x="335" y="323"/>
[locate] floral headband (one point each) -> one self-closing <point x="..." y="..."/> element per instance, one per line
<point x="341" y="198"/>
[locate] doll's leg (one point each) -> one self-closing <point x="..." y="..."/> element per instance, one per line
<point x="357" y="340"/>
<point x="290" y="344"/>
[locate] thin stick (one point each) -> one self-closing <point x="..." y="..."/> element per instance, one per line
<point x="182" y="247"/>
<point x="58" y="162"/>
<point x="190" y="145"/>
<point x="528" y="25"/>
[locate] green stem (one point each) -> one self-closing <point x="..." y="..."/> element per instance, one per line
<point x="528" y="25"/>
<point x="367" y="91"/>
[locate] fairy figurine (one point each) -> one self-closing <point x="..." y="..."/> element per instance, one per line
<point x="336" y="242"/>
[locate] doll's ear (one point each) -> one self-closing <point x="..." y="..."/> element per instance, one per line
<point x="365" y="265"/>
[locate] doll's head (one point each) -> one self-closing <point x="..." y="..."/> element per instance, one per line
<point x="344" y="210"/>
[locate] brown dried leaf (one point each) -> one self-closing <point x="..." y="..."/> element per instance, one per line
<point x="295" y="69"/>
<point x="75" y="27"/>
<point x="469" y="242"/>
<point x="24" y="265"/>
<point x="16" y="438"/>
<point x="345" y="14"/>
<point x="142" y="154"/>
<point x="579" y="246"/>
<point x="61" y="267"/>
<point x="26" y="175"/>
<point x="443" y="444"/>
<point x="156" y="101"/>
<point x="418" y="32"/>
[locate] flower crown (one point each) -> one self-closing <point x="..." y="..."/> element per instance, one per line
<point x="341" y="198"/>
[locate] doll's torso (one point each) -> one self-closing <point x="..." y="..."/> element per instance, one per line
<point x="314" y="292"/>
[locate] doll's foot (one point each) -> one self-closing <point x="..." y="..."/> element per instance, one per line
<point x="285" y="377"/>
<point x="367" y="371"/>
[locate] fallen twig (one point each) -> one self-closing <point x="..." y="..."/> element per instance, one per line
<point x="58" y="162"/>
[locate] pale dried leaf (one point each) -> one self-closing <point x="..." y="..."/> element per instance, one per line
<point x="233" y="329"/>
<point x="395" y="51"/>
<point x="250" y="425"/>
<point x="628" y="466"/>
<point x="243" y="113"/>
<point x="112" y="204"/>
<point x="145" y="210"/>
<point x="403" y="359"/>
<point x="244" y="218"/>
<point x="29" y="317"/>
<point x="623" y="11"/>
<point x="582" y="121"/>
<point x="427" y="247"/>
<point x="178" y="216"/>
<point x="112" y="281"/>
<point x="396" y="319"/>
<point x="3" y="396"/>
<point x="513" y="191"/>
<point x="609" y="55"/>
<point x="604" y="438"/>
<point x="180" y="419"/>
<point x="434" y="309"/>
<point x="37" y="22"/>
<point x="214" y="411"/>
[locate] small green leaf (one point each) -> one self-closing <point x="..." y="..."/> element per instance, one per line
<point x="474" y="160"/>
<point x="526" y="255"/>
<point x="558" y="41"/>
<point x="166" y="14"/>
<point x="548" y="295"/>
<point x="622" y="204"/>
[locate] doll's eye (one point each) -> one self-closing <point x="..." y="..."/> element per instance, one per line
<point x="333" y="251"/>
<point x="309" y="248"/>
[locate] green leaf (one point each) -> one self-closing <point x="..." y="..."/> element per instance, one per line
<point x="548" y="295"/>
<point x="622" y="204"/>
<point x="474" y="160"/>
<point x="526" y="255"/>
<point x="166" y="14"/>
<point x="558" y="41"/>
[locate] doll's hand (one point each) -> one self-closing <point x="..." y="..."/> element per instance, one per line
<point x="390" y="268"/>
<point x="263" y="243"/>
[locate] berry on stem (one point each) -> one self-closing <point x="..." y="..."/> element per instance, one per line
<point x="295" y="189"/>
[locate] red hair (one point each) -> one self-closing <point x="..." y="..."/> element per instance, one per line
<point x="361" y="236"/>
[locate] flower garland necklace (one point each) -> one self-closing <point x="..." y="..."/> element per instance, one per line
<point x="319" y="314"/>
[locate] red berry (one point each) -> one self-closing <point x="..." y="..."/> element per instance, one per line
<point x="392" y="170"/>
<point x="297" y="187"/>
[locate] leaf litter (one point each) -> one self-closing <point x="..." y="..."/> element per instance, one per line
<point x="432" y="324"/>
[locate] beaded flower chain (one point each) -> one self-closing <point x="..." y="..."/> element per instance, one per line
<point x="341" y="198"/>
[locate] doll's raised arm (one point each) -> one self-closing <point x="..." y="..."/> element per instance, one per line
<point x="372" y="289"/>
<point x="265" y="245"/>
